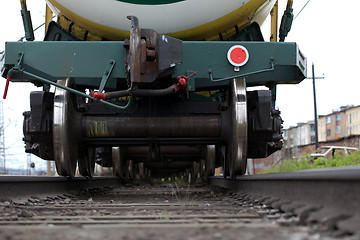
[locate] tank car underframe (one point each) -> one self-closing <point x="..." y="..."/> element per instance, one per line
<point x="59" y="60"/>
<point x="78" y="127"/>
<point x="152" y="103"/>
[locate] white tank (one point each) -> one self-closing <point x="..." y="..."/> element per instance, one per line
<point x="184" y="19"/>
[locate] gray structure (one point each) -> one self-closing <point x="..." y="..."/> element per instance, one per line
<point x="302" y="134"/>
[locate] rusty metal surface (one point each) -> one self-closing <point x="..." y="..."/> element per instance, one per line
<point x="195" y="126"/>
<point x="150" y="53"/>
<point x="172" y="150"/>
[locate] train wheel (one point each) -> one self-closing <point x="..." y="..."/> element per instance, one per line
<point x="222" y="154"/>
<point x="195" y="170"/>
<point x="202" y="168"/>
<point x="147" y="173"/>
<point x="87" y="162"/>
<point x="187" y="174"/>
<point x="141" y="167"/>
<point x="210" y="160"/>
<point x="129" y="172"/>
<point x="237" y="144"/>
<point x="118" y="162"/>
<point x="66" y="130"/>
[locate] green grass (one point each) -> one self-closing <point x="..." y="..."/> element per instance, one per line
<point x="339" y="160"/>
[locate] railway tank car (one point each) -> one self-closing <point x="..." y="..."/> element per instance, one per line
<point x="159" y="86"/>
<point x="187" y="20"/>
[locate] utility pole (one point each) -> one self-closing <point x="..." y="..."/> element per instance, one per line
<point x="315" y="110"/>
<point x="315" y="106"/>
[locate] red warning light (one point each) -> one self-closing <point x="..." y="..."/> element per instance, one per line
<point x="238" y="55"/>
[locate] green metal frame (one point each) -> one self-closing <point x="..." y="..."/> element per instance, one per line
<point x="90" y="63"/>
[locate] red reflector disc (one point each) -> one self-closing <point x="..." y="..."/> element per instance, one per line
<point x="238" y="55"/>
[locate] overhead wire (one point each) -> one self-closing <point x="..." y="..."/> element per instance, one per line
<point x="302" y="9"/>
<point x="22" y="38"/>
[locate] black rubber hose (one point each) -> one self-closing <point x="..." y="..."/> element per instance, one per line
<point x="142" y="92"/>
<point x="154" y="92"/>
<point x="117" y="94"/>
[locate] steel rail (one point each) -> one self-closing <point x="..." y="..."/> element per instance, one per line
<point x="329" y="196"/>
<point x="18" y="188"/>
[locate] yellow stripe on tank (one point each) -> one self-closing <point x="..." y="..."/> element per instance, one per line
<point x="225" y="25"/>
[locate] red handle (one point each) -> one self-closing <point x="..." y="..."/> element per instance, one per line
<point x="6" y="86"/>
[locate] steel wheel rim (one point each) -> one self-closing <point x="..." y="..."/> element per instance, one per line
<point x="64" y="132"/>
<point x="210" y="160"/>
<point x="118" y="162"/>
<point x="87" y="162"/>
<point x="237" y="150"/>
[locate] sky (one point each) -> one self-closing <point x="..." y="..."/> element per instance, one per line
<point x="326" y="32"/>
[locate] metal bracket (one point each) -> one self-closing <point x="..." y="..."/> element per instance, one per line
<point x="244" y="74"/>
<point x="106" y="74"/>
<point x="134" y="50"/>
<point x="47" y="81"/>
<point x="19" y="61"/>
<point x="150" y="54"/>
<point x="17" y="64"/>
<point x="25" y="14"/>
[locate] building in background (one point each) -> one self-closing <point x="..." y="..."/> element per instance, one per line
<point x="353" y="121"/>
<point x="336" y="125"/>
<point x="322" y="128"/>
<point x="339" y="128"/>
<point x="302" y="134"/>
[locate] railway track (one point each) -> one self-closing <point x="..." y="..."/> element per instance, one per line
<point x="303" y="205"/>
